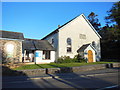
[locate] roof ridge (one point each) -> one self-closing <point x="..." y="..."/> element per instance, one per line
<point x="56" y="30"/>
<point x="10" y="31"/>
<point x="31" y="39"/>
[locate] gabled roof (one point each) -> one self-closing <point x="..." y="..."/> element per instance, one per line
<point x="34" y="44"/>
<point x="11" y="35"/>
<point x="91" y="25"/>
<point x="57" y="30"/>
<point x="28" y="45"/>
<point x="83" y="47"/>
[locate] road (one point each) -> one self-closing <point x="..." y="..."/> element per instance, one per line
<point x="97" y="79"/>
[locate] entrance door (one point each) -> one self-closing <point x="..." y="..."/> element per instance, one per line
<point x="90" y="56"/>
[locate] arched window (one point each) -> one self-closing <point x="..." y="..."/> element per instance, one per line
<point x="69" y="45"/>
<point x="68" y="41"/>
<point x="94" y="44"/>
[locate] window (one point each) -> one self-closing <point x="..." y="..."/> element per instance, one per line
<point x="68" y="49"/>
<point x="52" y="41"/>
<point x="94" y="44"/>
<point x="46" y="54"/>
<point x="69" y="43"/>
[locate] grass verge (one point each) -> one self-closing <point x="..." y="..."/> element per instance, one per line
<point x="57" y="65"/>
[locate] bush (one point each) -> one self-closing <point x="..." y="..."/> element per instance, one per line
<point x="67" y="59"/>
<point x="64" y="59"/>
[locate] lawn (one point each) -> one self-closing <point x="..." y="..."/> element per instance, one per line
<point x="56" y="65"/>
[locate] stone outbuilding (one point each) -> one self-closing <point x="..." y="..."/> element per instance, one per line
<point x="15" y="48"/>
<point x="11" y="46"/>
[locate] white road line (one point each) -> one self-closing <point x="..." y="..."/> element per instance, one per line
<point x="108" y="87"/>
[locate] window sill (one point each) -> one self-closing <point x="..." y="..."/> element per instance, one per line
<point x="69" y="52"/>
<point x="46" y="59"/>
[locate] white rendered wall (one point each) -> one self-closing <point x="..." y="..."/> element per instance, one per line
<point x="73" y="30"/>
<point x="55" y="44"/>
<point x="39" y="59"/>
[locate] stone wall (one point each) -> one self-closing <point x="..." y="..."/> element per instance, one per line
<point x="32" y="72"/>
<point x="38" y="72"/>
<point x="17" y="53"/>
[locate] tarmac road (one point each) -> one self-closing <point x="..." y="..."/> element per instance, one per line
<point x="97" y="79"/>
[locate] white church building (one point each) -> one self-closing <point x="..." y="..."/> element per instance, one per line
<point x="76" y="36"/>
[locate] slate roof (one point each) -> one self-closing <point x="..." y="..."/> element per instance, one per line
<point x="34" y="44"/>
<point x="11" y="35"/>
<point x="82" y="48"/>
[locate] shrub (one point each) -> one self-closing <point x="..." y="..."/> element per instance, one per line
<point x="64" y="59"/>
<point x="78" y="58"/>
<point x="67" y="59"/>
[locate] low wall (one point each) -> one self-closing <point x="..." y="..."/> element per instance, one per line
<point x="37" y="72"/>
<point x="33" y="72"/>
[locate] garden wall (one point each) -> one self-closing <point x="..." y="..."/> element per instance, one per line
<point x="37" y="72"/>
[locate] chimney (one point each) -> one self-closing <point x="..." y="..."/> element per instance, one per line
<point x="58" y="26"/>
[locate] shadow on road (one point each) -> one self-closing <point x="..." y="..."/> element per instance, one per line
<point x="73" y="80"/>
<point x="14" y="79"/>
<point x="81" y="81"/>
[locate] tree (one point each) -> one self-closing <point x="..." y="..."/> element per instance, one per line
<point x="94" y="21"/>
<point x="111" y="34"/>
<point x="114" y="14"/>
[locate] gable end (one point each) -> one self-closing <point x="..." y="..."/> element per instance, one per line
<point x="91" y="25"/>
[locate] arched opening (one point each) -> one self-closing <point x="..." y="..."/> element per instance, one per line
<point x="94" y="44"/>
<point x="90" y="56"/>
<point x="69" y="45"/>
<point x="10" y="49"/>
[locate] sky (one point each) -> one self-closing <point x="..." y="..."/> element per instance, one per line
<point x="37" y="19"/>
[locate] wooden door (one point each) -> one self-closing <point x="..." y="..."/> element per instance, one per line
<point x="90" y="56"/>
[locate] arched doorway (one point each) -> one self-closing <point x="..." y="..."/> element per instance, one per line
<point x="90" y="56"/>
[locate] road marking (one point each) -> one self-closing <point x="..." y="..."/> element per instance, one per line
<point x="40" y="78"/>
<point x="57" y="77"/>
<point x="50" y="77"/>
<point x="108" y="87"/>
<point x="99" y="74"/>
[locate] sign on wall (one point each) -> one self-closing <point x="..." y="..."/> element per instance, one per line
<point x="82" y="36"/>
<point x="37" y="54"/>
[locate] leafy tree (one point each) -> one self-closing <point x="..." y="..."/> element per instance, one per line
<point x="94" y="21"/>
